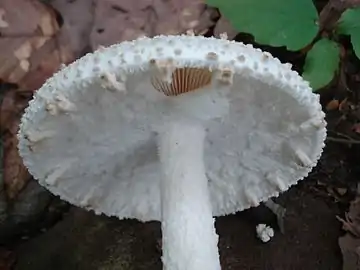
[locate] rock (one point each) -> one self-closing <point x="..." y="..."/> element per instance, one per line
<point x="33" y="209"/>
<point x="30" y="204"/>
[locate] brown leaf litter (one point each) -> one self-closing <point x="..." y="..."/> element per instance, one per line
<point x="350" y="242"/>
<point x="33" y="44"/>
<point x="29" y="29"/>
<point x="29" y="55"/>
<point x="74" y="35"/>
<point x="332" y="105"/>
<point x="118" y="20"/>
<point x="7" y="259"/>
<point x="15" y="175"/>
<point x="224" y="26"/>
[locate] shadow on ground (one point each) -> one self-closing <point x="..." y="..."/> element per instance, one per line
<point x="83" y="240"/>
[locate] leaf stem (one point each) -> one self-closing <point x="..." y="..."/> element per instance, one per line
<point x="331" y="13"/>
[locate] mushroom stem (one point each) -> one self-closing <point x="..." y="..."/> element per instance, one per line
<point x="189" y="239"/>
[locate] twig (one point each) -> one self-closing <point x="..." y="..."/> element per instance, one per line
<point x="279" y="211"/>
<point x="339" y="134"/>
<point x="340" y="140"/>
<point x="342" y="80"/>
<point x="332" y="11"/>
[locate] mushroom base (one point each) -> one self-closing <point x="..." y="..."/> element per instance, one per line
<point x="189" y="238"/>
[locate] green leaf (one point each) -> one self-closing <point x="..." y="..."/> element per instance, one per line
<point x="290" y="23"/>
<point x="321" y="63"/>
<point x="349" y="24"/>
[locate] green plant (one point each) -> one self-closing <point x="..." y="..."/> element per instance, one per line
<point x="349" y="24"/>
<point x="295" y="25"/>
<point x="321" y="62"/>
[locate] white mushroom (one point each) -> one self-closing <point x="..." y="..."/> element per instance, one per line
<point x="199" y="127"/>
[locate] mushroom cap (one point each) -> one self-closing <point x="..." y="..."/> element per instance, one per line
<point x="97" y="148"/>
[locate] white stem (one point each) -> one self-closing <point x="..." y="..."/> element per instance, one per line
<point x="189" y="239"/>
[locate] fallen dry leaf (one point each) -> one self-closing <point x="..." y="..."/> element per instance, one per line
<point x="7" y="259"/>
<point x="25" y="18"/>
<point x="356" y="128"/>
<point x="75" y="31"/>
<point x="344" y="105"/>
<point x="15" y="174"/>
<point x="3" y="22"/>
<point x="351" y="223"/>
<point x="119" y="20"/>
<point x="11" y="106"/>
<point x="206" y="20"/>
<point x="332" y="105"/>
<point x="44" y="62"/>
<point x="30" y="26"/>
<point x="224" y="26"/>
<point x="350" y="242"/>
<point x="350" y="249"/>
<point x="341" y="191"/>
<point x="33" y="47"/>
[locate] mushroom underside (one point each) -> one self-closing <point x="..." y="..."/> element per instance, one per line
<point x="174" y="155"/>
<point x="263" y="145"/>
